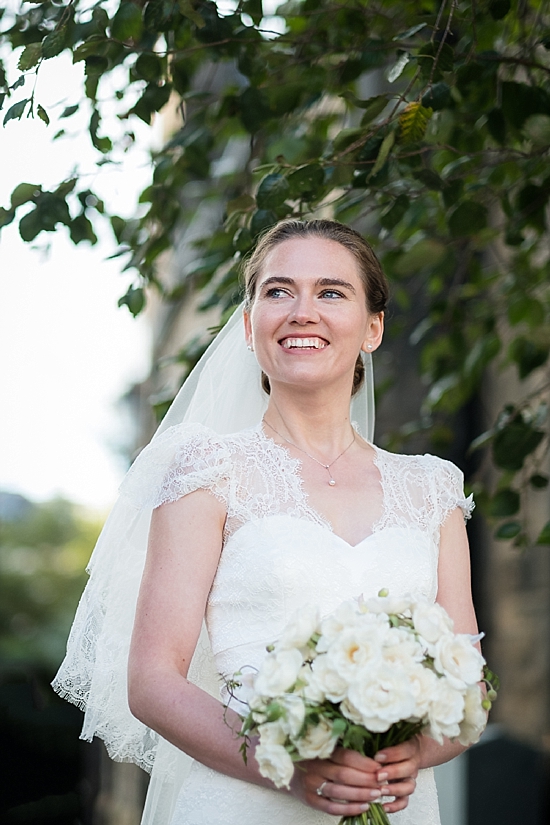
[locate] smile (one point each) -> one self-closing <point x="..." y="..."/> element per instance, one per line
<point x="304" y="343"/>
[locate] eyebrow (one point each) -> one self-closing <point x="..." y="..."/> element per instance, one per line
<point x="282" y="279"/>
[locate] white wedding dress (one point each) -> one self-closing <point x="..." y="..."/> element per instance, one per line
<point x="279" y="554"/>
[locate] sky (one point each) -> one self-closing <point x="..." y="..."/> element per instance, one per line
<point x="67" y="352"/>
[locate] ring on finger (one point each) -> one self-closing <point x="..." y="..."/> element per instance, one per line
<point x="319" y="790"/>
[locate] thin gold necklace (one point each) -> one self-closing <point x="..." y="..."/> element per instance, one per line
<point x="327" y="467"/>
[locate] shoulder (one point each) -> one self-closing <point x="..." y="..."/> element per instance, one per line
<point x="437" y="481"/>
<point x="183" y="458"/>
<point x="425" y="463"/>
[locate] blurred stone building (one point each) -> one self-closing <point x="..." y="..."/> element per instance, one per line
<point x="503" y="779"/>
<point x="511" y="587"/>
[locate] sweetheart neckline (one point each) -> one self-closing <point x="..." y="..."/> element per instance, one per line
<point x="326" y="529"/>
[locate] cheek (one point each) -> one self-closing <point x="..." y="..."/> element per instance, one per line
<point x="264" y="322"/>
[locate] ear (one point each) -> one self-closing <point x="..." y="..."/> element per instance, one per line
<point x="247" y="328"/>
<point x="375" y="332"/>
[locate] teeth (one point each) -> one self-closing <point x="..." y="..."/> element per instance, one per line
<point x="302" y="343"/>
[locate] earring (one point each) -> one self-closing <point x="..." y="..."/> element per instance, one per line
<point x="369" y="346"/>
<point x="250" y="348"/>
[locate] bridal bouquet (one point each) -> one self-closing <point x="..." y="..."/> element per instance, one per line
<point x="372" y="674"/>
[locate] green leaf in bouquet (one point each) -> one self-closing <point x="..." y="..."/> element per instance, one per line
<point x="339" y="727"/>
<point x="273" y="712"/>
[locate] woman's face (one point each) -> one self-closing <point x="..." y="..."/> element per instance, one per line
<point x="309" y="319"/>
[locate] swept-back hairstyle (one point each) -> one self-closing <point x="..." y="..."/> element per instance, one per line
<point x="370" y="271"/>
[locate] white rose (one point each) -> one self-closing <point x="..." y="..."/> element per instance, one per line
<point x="351" y="712"/>
<point x="275" y="764"/>
<point x="309" y="688"/>
<point x="300" y="628"/>
<point x="258" y="707"/>
<point x="423" y="683"/>
<point x="329" y="682"/>
<point x="431" y="621"/>
<point x="389" y="604"/>
<point x="272" y="733"/>
<point x="402" y="647"/>
<point x="457" y="659"/>
<point x="244" y="691"/>
<point x="346" y="615"/>
<point x="382" y="695"/>
<point x="294" y="714"/>
<point x="318" y="743"/>
<point x="475" y="718"/>
<point x="446" y="711"/>
<point x="356" y="647"/>
<point x="278" y="672"/>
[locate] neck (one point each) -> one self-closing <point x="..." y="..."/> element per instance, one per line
<point x="310" y="420"/>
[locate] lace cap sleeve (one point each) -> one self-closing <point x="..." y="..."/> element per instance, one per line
<point x="182" y="459"/>
<point x="450" y="489"/>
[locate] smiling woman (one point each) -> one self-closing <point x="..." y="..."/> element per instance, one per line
<point x="331" y="246"/>
<point x="245" y="526"/>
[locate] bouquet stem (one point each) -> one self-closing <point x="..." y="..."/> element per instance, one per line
<point x="376" y="815"/>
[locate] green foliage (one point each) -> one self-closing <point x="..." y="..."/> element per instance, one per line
<point x="443" y="162"/>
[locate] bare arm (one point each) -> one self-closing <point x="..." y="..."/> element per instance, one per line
<point x="455" y="595"/>
<point x="184" y="548"/>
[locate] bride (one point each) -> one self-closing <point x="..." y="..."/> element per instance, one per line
<point x="246" y="525"/>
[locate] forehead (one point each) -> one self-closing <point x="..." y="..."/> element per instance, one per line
<point x="311" y="257"/>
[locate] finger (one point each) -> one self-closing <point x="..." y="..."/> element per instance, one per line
<point x="350" y="794"/>
<point x="340" y="808"/>
<point x="342" y="775"/>
<point x="398" y="804"/>
<point x="398" y="789"/>
<point x="341" y="783"/>
<point x="352" y="759"/>
<point x="398" y="770"/>
<point x="399" y="753"/>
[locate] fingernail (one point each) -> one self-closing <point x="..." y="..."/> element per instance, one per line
<point x="385" y="791"/>
<point x="380" y="757"/>
<point x="365" y="807"/>
<point x="375" y="794"/>
<point x="382" y="776"/>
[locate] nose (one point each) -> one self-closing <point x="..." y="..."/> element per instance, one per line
<point x="304" y="310"/>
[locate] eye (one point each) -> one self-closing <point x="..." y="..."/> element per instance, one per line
<point x="331" y="293"/>
<point x="276" y="292"/>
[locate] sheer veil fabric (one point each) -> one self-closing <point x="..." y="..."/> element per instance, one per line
<point x="223" y="393"/>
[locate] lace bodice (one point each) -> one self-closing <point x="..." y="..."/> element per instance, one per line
<point x="278" y="553"/>
<point x="255" y="477"/>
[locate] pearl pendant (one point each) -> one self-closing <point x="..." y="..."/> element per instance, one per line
<point x="332" y="483"/>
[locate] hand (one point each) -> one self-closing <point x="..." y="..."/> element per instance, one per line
<point x="349" y="782"/>
<point x="398" y="769"/>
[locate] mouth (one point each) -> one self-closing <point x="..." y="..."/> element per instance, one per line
<point x="304" y="343"/>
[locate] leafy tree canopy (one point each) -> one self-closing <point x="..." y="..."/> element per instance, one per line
<point x="426" y="124"/>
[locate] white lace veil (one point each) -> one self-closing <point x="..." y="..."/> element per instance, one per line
<point x="223" y="392"/>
